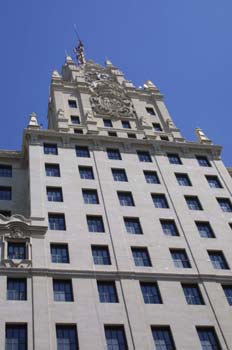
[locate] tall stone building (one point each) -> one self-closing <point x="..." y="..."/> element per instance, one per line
<point x="115" y="230"/>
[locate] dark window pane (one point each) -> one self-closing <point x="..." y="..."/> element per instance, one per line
<point x="192" y="294"/>
<point x="208" y="338"/>
<point x="213" y="181"/>
<point x="90" y="196"/>
<point x="112" y="133"/>
<point x="174" y="158"/>
<point x="119" y="175"/>
<point x="131" y="135"/>
<point x="150" y="110"/>
<point x="218" y="260"/>
<point x="126" y="124"/>
<point x="204" y="229"/>
<point x="144" y="156"/>
<point x="126" y="199"/>
<point x="59" y="253"/>
<point x="82" y="151"/>
<point x="72" y="103"/>
<point x="62" y="290"/>
<point x="141" y="257"/>
<point x="5" y="170"/>
<point x="115" y="338"/>
<point x="133" y="226"/>
<point x="50" y="148"/>
<point x="193" y="203"/>
<point x="151" y="294"/>
<point x="56" y="222"/>
<point x="114" y="154"/>
<point x="52" y="170"/>
<point x="225" y="204"/>
<point x="203" y="161"/>
<point x="163" y="338"/>
<point x="75" y="119"/>
<point x="17" y="250"/>
<point x="66" y="336"/>
<point x="95" y="224"/>
<point x="228" y="293"/>
<point x="86" y="173"/>
<point x="107" y="123"/>
<point x="180" y="258"/>
<point x="157" y="127"/>
<point x="183" y="180"/>
<point x="101" y="255"/>
<point x="169" y="227"/>
<point x="160" y="201"/>
<point x="16" y="289"/>
<point x="151" y="177"/>
<point x="107" y="292"/>
<point x="5" y="193"/>
<point x="54" y="194"/>
<point x="16" y="337"/>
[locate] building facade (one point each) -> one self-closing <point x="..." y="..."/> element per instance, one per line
<point x="116" y="232"/>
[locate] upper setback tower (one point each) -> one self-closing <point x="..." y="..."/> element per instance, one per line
<point x="115" y="228"/>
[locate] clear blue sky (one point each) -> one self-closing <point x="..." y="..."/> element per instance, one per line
<point x="184" y="46"/>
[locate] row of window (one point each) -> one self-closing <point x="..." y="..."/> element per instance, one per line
<point x="115" y="337"/>
<point x="107" y="291"/>
<point x="114" y="154"/>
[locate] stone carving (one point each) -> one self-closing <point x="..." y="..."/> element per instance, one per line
<point x="143" y="121"/>
<point x="16" y="263"/>
<point x="89" y="116"/>
<point x="33" y="123"/>
<point x="170" y="124"/>
<point x="60" y="113"/>
<point x="202" y="138"/>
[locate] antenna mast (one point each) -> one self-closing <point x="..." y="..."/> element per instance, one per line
<point x="79" y="49"/>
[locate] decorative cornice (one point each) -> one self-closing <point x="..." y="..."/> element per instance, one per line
<point x="18" y="227"/>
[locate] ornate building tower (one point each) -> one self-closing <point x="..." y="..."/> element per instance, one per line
<point x="115" y="230"/>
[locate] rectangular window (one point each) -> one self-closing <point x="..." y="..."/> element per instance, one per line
<point x="157" y="127"/>
<point x="56" y="222"/>
<point x="16" y="289"/>
<point x="119" y="175"/>
<point x="169" y="227"/>
<point x="151" y="293"/>
<point x="151" y="177"/>
<point x="107" y="292"/>
<point x="101" y="255"/>
<point x="16" y="336"/>
<point x="218" y="260"/>
<point x="52" y="170"/>
<point x="17" y="250"/>
<point x="159" y="200"/>
<point x="150" y="110"/>
<point x="208" y="338"/>
<point x="113" y="154"/>
<point x="5" y="193"/>
<point x="174" y="158"/>
<point x="228" y="293"/>
<point x="131" y="135"/>
<point x="144" y="156"/>
<point x="183" y="179"/>
<point x="66" y="336"/>
<point x="164" y="138"/>
<point x="5" y="170"/>
<point x="75" y="119"/>
<point x="204" y="229"/>
<point x="203" y="161"/>
<point x="133" y="226"/>
<point x="50" y="148"/>
<point x="107" y="123"/>
<point x="86" y="172"/>
<point x="192" y="294"/>
<point x="225" y="204"/>
<point x="141" y="256"/>
<point x="90" y="196"/>
<point x="193" y="203"/>
<point x="78" y="131"/>
<point x="163" y="338"/>
<point x="126" y="199"/>
<point x="72" y="103"/>
<point x="126" y="124"/>
<point x="95" y="223"/>
<point x="54" y="194"/>
<point x="82" y="152"/>
<point x="62" y="290"/>
<point x="180" y="258"/>
<point x="112" y="133"/>
<point x="213" y="181"/>
<point x="115" y="338"/>
<point x="59" y="253"/>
